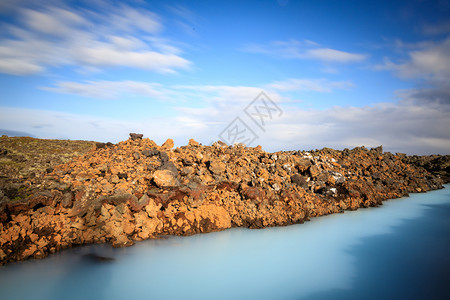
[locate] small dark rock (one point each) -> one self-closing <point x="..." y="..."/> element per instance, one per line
<point x="136" y="136"/>
<point x="122" y="175"/>
<point x="150" y="152"/>
<point x="103" y="145"/>
<point x="299" y="180"/>
<point x="169" y="166"/>
<point x="303" y="165"/>
<point x="100" y="145"/>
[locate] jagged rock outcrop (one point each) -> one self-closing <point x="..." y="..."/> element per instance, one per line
<point x="438" y="165"/>
<point x="137" y="190"/>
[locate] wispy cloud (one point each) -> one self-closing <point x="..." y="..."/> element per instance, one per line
<point x="218" y="95"/>
<point x="435" y="29"/>
<point x="294" y="49"/>
<point x="427" y="61"/>
<point x="428" y="64"/>
<point x="187" y="21"/>
<point x="109" y="89"/>
<point x="52" y="36"/>
<point x="315" y="85"/>
<point x="332" y="55"/>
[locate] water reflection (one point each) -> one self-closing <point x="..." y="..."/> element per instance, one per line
<point x="338" y="256"/>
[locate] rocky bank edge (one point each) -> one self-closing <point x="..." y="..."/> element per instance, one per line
<point x="136" y="190"/>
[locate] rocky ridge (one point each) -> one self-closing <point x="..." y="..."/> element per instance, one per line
<point x="137" y="190"/>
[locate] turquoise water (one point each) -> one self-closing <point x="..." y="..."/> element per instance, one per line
<point x="397" y="251"/>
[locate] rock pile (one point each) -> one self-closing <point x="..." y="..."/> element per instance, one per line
<point x="137" y="190"/>
<point x="436" y="164"/>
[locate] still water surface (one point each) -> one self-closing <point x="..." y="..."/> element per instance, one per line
<point x="397" y="251"/>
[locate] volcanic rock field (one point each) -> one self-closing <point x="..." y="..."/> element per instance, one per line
<point x="60" y="194"/>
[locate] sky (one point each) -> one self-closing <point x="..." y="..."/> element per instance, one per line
<point x="286" y="75"/>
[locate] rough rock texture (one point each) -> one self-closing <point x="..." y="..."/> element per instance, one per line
<point x="137" y="190"/>
<point x="436" y="164"/>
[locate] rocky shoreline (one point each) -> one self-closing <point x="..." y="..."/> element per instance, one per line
<point x="137" y="190"/>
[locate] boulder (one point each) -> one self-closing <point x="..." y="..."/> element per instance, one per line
<point x="165" y="178"/>
<point x="168" y="144"/>
<point x="217" y="167"/>
<point x="136" y="136"/>
<point x="299" y="180"/>
<point x="168" y="165"/>
<point x="303" y="165"/>
<point x="192" y="142"/>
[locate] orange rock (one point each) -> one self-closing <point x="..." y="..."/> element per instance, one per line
<point x="217" y="218"/>
<point x="217" y="167"/>
<point x="192" y="142"/>
<point x="165" y="178"/>
<point x="2" y="255"/>
<point x="168" y="144"/>
<point x="314" y="171"/>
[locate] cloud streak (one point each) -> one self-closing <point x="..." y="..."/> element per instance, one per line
<point x="219" y="95"/>
<point x="314" y="85"/>
<point x="58" y="36"/>
<point x="108" y="89"/>
<point x="427" y="63"/>
<point x="294" y="49"/>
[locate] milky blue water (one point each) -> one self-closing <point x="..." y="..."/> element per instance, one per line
<point x="398" y="251"/>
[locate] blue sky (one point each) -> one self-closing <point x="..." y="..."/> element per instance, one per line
<point x="339" y="73"/>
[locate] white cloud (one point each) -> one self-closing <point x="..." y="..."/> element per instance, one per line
<point x="332" y="55"/>
<point x="128" y="19"/>
<point x="53" y="22"/>
<point x="294" y="49"/>
<point x="412" y="126"/>
<point x="18" y="67"/>
<point x="316" y="85"/>
<point x="437" y="96"/>
<point x="400" y="127"/>
<point x="428" y="61"/>
<point x="52" y="124"/>
<point x="222" y="97"/>
<point x="109" y="89"/>
<point x="108" y="55"/>
<point x="119" y="36"/>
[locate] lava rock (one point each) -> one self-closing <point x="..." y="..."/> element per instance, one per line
<point x="136" y="136"/>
